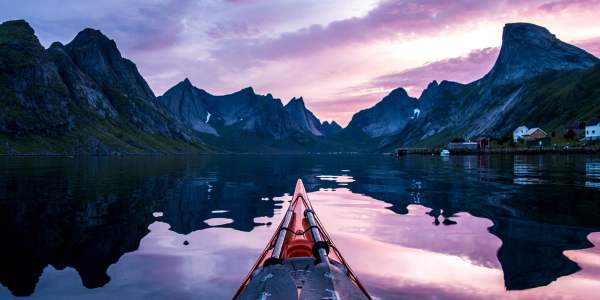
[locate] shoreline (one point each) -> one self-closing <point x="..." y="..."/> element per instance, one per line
<point x="495" y="151"/>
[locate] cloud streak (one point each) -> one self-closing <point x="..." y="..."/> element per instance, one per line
<point x="462" y="69"/>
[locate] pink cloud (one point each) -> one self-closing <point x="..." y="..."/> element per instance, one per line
<point x="343" y="108"/>
<point x="561" y="5"/>
<point x="389" y="20"/>
<point x="462" y="69"/>
<point x="590" y="45"/>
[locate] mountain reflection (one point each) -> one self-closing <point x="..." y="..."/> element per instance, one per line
<point x="87" y="213"/>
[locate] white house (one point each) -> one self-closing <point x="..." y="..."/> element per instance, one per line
<point x="592" y="130"/>
<point x="519" y="132"/>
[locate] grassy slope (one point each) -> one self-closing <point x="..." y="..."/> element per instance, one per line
<point x="552" y="102"/>
<point x="20" y="51"/>
<point x="102" y="137"/>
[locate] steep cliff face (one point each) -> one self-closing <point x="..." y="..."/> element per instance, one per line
<point x="303" y="118"/>
<point x="529" y="50"/>
<point x="445" y="94"/>
<point x="85" y="92"/>
<point x="537" y="80"/>
<point x="33" y="98"/>
<point x="118" y="78"/>
<point x="189" y="104"/>
<point x="83" y="97"/>
<point x="387" y="117"/>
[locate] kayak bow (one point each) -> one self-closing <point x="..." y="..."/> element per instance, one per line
<point x="301" y="261"/>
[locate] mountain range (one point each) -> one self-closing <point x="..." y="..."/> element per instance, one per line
<point x="229" y="120"/>
<point x="537" y="81"/>
<point x="85" y="98"/>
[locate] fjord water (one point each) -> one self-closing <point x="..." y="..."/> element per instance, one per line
<point x="149" y="227"/>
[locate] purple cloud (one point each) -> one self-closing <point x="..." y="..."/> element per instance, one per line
<point x="590" y="45"/>
<point x="462" y="69"/>
<point x="388" y="20"/>
<point x="555" y="6"/>
<point x="343" y="108"/>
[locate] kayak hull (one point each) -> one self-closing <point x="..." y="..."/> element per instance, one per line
<point x="301" y="261"/>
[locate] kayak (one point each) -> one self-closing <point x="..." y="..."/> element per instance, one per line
<point x="301" y="262"/>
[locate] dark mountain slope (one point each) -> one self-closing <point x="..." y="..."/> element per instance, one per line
<point x="537" y="81"/>
<point x="303" y="118"/>
<point x="387" y="117"/>
<point x="33" y="97"/>
<point x="79" y="98"/>
<point x="247" y="122"/>
<point x="330" y="128"/>
<point x="529" y="50"/>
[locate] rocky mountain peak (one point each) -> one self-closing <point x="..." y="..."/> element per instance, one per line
<point x="529" y="50"/>
<point x="90" y="35"/>
<point x="296" y="102"/>
<point x="389" y="116"/>
<point x="184" y="84"/>
<point x="303" y="118"/>
<point x="329" y="128"/>
<point x="92" y="38"/>
<point x="398" y="93"/>
<point x="527" y="32"/>
<point x="33" y="97"/>
<point x="17" y="26"/>
<point x="432" y="85"/>
<point x="17" y="36"/>
<point x="248" y="90"/>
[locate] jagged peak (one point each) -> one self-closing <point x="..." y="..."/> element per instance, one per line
<point x="433" y="84"/>
<point x="92" y="33"/>
<point x="398" y="92"/>
<point x="94" y="38"/>
<point x="186" y="83"/>
<point x="529" y="50"/>
<point x="331" y="124"/>
<point x="20" y="24"/>
<point x="18" y="31"/>
<point x="296" y="101"/>
<point x="248" y="90"/>
<point x="522" y="31"/>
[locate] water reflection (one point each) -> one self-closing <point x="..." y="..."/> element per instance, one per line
<point x="592" y="174"/>
<point x="528" y="169"/>
<point x="188" y="214"/>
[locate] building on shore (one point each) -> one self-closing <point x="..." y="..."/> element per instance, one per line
<point x="592" y="130"/>
<point x="519" y="132"/>
<point x="536" y="137"/>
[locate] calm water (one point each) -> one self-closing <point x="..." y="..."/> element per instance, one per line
<point x="525" y="227"/>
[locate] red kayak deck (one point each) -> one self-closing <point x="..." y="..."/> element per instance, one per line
<point x="301" y="261"/>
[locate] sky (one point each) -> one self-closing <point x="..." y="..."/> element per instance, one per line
<point x="341" y="56"/>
